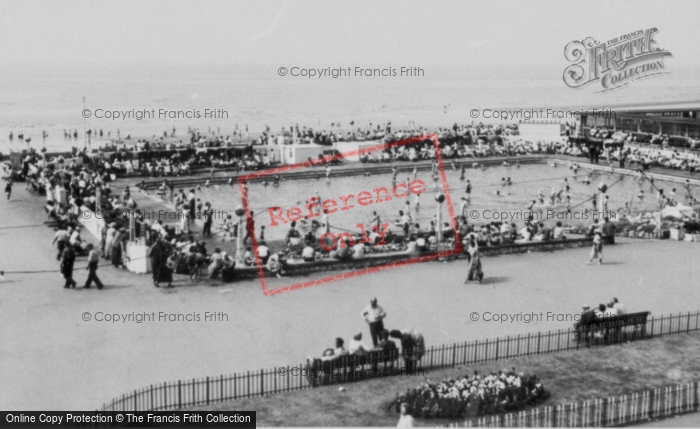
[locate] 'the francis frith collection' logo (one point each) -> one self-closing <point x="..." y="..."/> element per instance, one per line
<point x="616" y="62"/>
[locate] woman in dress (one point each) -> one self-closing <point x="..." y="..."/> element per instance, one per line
<point x="109" y="239"/>
<point x="116" y="252"/>
<point x="159" y="257"/>
<point x="216" y="263"/>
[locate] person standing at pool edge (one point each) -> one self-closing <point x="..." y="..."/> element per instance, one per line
<point x="250" y="230"/>
<point x="208" y="220"/>
<point x="373" y="315"/>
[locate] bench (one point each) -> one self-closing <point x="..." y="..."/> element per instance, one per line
<point x="611" y="330"/>
<point x="350" y="367"/>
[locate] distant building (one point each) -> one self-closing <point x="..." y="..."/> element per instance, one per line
<point x="672" y="120"/>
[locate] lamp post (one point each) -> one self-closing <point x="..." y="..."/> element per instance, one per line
<point x="240" y="211"/>
<point x="98" y="200"/>
<point x="132" y="225"/>
<point x="602" y="187"/>
<point x="439" y="198"/>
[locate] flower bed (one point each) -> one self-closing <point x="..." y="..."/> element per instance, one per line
<point x="473" y="395"/>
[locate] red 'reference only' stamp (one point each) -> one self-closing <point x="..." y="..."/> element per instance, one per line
<point x="313" y="208"/>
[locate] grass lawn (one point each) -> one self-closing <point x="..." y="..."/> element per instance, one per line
<point x="569" y="377"/>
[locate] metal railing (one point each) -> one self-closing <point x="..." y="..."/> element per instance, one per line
<point x="208" y="390"/>
<point x="613" y="411"/>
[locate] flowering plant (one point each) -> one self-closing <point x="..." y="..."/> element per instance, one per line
<point x="503" y="392"/>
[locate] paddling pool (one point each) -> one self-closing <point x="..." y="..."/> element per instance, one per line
<point x="486" y="206"/>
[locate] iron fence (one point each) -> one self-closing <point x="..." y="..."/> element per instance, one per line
<point x="614" y="411"/>
<point x="208" y="390"/>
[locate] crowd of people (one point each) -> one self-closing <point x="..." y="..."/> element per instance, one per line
<point x="71" y="187"/>
<point x="81" y="180"/>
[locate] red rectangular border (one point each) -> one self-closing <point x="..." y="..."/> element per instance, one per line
<point x="359" y="272"/>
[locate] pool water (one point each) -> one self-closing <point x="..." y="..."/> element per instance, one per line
<point x="527" y="180"/>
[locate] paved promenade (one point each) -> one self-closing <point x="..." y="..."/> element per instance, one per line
<point x="50" y="356"/>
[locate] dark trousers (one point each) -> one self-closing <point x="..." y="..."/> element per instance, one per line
<point x="374" y="329"/>
<point x="92" y="276"/>
<point x="207" y="229"/>
<point x="409" y="366"/>
<point x="60" y="246"/>
<point x="155" y="267"/>
<point x="68" y="275"/>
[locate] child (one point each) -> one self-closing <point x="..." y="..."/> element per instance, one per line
<point x="248" y="256"/>
<point x="227" y="227"/>
<point x="553" y="195"/>
<point x="193" y="264"/>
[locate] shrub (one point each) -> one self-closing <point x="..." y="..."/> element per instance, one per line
<point x="453" y="398"/>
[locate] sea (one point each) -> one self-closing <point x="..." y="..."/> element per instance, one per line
<point x="43" y="101"/>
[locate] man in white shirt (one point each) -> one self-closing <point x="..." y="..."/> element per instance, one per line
<point x="61" y="240"/>
<point x="263" y="252"/>
<point x="75" y="238"/>
<point x="374" y="315"/>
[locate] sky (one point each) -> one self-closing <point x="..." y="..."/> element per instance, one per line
<point x="517" y="34"/>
